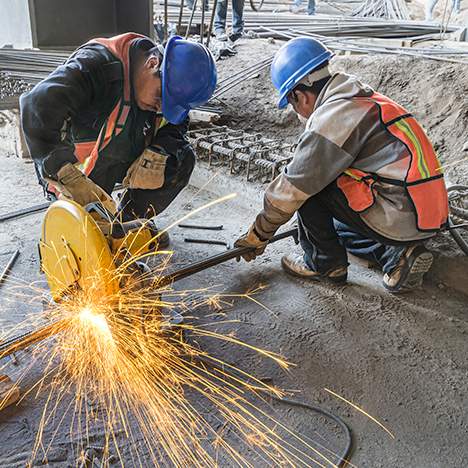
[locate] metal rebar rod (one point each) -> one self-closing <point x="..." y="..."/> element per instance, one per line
<point x="210" y="28"/>
<point x="187" y="32"/>
<point x="198" y="226"/>
<point x="8" y="266"/>
<point x="25" y="211"/>
<point x="205" y="241"/>
<point x="181" y="12"/>
<point x="27" y="339"/>
<point x="202" y="22"/>
<point x="217" y="260"/>
<point x="165" y="20"/>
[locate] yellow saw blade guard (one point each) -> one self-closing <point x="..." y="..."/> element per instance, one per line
<point x="74" y="251"/>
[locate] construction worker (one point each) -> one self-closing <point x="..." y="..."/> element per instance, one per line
<point x="364" y="177"/>
<point x="118" y="109"/>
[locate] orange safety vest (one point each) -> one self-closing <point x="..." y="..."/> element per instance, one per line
<point x="88" y="152"/>
<point x="421" y="173"/>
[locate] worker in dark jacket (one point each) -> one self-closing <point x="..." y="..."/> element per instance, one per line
<point x="116" y="111"/>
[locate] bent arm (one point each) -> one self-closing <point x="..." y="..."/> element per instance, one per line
<point x="46" y="109"/>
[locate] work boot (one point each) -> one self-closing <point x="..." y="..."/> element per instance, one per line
<point x="236" y="36"/>
<point x="295" y="265"/>
<point x="297" y="9"/>
<point x="414" y="263"/>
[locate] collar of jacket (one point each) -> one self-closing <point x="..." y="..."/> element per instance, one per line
<point x="340" y="86"/>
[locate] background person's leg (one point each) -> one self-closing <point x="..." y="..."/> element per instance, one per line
<point x="237" y="16"/>
<point x="220" y="17"/>
<point x="311" y="7"/>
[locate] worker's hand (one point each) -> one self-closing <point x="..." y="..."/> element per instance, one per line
<point x="251" y="239"/>
<point x="76" y="186"/>
<point x="147" y="172"/>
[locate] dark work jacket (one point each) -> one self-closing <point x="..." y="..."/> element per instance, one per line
<point x="72" y="104"/>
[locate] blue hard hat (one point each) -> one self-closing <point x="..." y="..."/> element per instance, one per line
<point x="296" y="59"/>
<point x="188" y="76"/>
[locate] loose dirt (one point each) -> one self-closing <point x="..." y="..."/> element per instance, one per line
<point x="403" y="359"/>
<point x="435" y="92"/>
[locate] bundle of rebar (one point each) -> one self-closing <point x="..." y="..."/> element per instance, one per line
<point x="30" y="66"/>
<point x="21" y="69"/>
<point x="439" y="53"/>
<point x="388" y="9"/>
<point x="325" y="25"/>
<point x="254" y="155"/>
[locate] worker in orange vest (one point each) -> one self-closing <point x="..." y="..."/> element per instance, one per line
<point x="116" y="111"/>
<point x="364" y="177"/>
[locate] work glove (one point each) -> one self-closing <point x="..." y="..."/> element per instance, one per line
<point x="147" y="172"/>
<point x="76" y="186"/>
<point x="251" y="239"/>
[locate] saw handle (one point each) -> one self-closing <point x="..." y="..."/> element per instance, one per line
<point x="218" y="259"/>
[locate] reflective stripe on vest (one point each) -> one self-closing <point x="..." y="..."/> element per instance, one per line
<point x="88" y="152"/>
<point x="422" y="180"/>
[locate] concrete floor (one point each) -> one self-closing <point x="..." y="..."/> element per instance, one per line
<point x="404" y="359"/>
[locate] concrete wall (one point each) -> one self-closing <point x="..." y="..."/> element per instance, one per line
<point x="15" y="27"/>
<point x="70" y="23"/>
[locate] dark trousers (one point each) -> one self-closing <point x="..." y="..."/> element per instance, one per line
<point x="137" y="203"/>
<point x="328" y="228"/>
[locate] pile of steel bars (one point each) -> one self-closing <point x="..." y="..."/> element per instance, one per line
<point x="388" y="9"/>
<point x="254" y="155"/>
<point x="439" y="53"/>
<point x="30" y="65"/>
<point x="242" y="75"/>
<point x="325" y="25"/>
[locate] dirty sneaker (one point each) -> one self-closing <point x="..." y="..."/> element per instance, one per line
<point x="295" y="265"/>
<point x="409" y="273"/>
<point x="221" y="36"/>
<point x="235" y="36"/>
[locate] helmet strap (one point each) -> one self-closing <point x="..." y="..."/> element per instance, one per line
<point x="315" y="76"/>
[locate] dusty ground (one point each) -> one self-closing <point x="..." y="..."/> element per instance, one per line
<point x="403" y="359"/>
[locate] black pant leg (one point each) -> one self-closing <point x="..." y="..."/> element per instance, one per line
<point x="138" y="203"/>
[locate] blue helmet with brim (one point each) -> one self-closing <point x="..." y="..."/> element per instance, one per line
<point x="188" y="78"/>
<point x="295" y="60"/>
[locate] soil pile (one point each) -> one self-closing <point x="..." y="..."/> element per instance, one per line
<point x="435" y="92"/>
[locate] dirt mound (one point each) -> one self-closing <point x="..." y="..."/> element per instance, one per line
<point x="435" y="92"/>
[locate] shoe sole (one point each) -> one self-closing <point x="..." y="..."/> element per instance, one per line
<point x="415" y="274"/>
<point x="318" y="278"/>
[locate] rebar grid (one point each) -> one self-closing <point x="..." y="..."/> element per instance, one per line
<point x="258" y="157"/>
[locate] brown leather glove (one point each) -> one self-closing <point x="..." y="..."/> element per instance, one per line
<point x="147" y="172"/>
<point x="76" y="186"/>
<point x="251" y="239"/>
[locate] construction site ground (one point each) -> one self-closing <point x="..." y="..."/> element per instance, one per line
<point x="404" y="359"/>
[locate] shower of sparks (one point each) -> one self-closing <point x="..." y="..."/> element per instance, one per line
<point x="365" y="413"/>
<point x="119" y="369"/>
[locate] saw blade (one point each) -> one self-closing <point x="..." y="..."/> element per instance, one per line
<point x="75" y="252"/>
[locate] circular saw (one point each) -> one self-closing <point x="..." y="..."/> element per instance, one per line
<point x="75" y="252"/>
